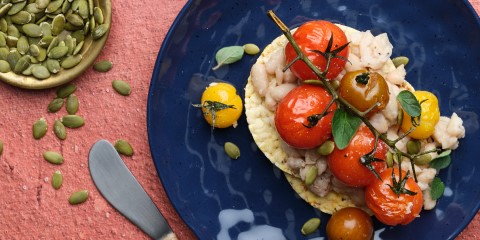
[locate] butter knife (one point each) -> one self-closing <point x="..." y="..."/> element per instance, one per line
<point x="120" y="188"/>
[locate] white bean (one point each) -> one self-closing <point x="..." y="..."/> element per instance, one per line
<point x="259" y="78"/>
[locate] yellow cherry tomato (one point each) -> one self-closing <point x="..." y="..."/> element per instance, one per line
<point x="429" y="117"/>
<point x="220" y="100"/>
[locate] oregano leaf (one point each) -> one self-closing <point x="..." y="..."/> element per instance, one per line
<point x="228" y="55"/>
<point x="409" y="103"/>
<point x="344" y="127"/>
<point x="441" y="162"/>
<point x="437" y="188"/>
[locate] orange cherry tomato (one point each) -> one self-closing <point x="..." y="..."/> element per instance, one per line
<point x="364" y="89"/>
<point x="292" y="113"/>
<point x="350" y="223"/>
<point x="345" y="164"/>
<point x="315" y="35"/>
<point x="390" y="208"/>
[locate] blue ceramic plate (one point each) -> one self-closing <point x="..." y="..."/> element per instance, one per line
<point x="441" y="40"/>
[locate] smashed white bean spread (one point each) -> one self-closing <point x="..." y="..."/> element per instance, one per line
<point x="268" y="85"/>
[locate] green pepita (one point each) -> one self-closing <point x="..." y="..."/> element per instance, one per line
<point x="103" y="66"/>
<point x="66" y="90"/>
<point x="17" y="7"/>
<point x="389" y="159"/>
<point x="423" y="159"/>
<point x="121" y="87"/>
<point x="75" y="19"/>
<point x="40" y="72"/>
<point x="42" y="54"/>
<point x="32" y="30"/>
<point x="3" y="41"/>
<point x="39" y="128"/>
<point x="73" y="121"/>
<point x="78" y="197"/>
<point x="123" y="147"/>
<point x="251" y="49"/>
<point x="4" y="66"/>
<point x="66" y="6"/>
<point x="401" y="60"/>
<point x="72" y="104"/>
<point x="99" y="31"/>
<point x="53" y="65"/>
<point x="71" y="61"/>
<point x="22" y="64"/>
<point x="12" y="30"/>
<point x="32" y="8"/>
<point x="13" y="57"/>
<point x="70" y="43"/>
<point x="22" y="45"/>
<point x="53" y="157"/>
<point x="98" y="15"/>
<point x="4" y="53"/>
<point x="58" y="24"/>
<point x="28" y="71"/>
<point x="58" y="52"/>
<point x="3" y="25"/>
<point x="46" y="29"/>
<point x="231" y="150"/>
<point x="311" y="175"/>
<point x="79" y="35"/>
<point x="45" y="41"/>
<point x="413" y="146"/>
<point x="78" y="48"/>
<point x="59" y="130"/>
<point x="83" y="9"/>
<point x="42" y="3"/>
<point x="57" y="180"/>
<point x="4" y="10"/>
<point x="34" y="50"/>
<point x="54" y="42"/>
<point x="326" y="148"/>
<point x="54" y="5"/>
<point x="11" y="41"/>
<point x="310" y="226"/>
<point x="55" y="105"/>
<point x="21" y="17"/>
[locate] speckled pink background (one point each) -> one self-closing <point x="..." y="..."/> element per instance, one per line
<point x="29" y="207"/>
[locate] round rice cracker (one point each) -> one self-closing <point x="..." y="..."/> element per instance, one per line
<point x="262" y="127"/>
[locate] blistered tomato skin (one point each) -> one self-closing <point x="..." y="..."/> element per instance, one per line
<point x="361" y="95"/>
<point x="345" y="164"/>
<point x="389" y="208"/>
<point x="430" y="115"/>
<point x="350" y="223"/>
<point x="292" y="113"/>
<point x="227" y="94"/>
<point x="314" y="35"/>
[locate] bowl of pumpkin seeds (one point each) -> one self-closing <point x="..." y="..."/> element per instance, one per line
<point x="46" y="43"/>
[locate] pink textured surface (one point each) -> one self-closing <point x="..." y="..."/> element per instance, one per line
<point x="29" y="207"/>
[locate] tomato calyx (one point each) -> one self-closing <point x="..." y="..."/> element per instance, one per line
<point x="314" y="118"/>
<point x="363" y="78"/>
<point x="213" y="107"/>
<point x="398" y="187"/>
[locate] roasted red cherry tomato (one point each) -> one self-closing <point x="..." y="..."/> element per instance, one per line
<point x="390" y="208"/>
<point x="292" y="113"/>
<point x="314" y="35"/>
<point x="345" y="164"/>
<point x="364" y="89"/>
<point x="350" y="223"/>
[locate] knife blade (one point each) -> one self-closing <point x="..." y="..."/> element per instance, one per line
<point x="120" y="188"/>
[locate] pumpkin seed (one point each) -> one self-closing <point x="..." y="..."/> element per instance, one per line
<point x="98" y="15"/>
<point x="42" y="54"/>
<point x="73" y="121"/>
<point x="40" y="72"/>
<point x="400" y="60"/>
<point x="311" y="175"/>
<point x="53" y="65"/>
<point x="59" y="130"/>
<point x="121" y="87"/>
<point x="5" y="9"/>
<point x="78" y="197"/>
<point x="45" y="41"/>
<point x="66" y="90"/>
<point x="3" y="41"/>
<point x="41" y="18"/>
<point x="92" y="23"/>
<point x="79" y="35"/>
<point x="4" y="53"/>
<point x="74" y="19"/>
<point x="99" y="31"/>
<point x="78" y="48"/>
<point x="13" y="57"/>
<point x="423" y="159"/>
<point x="66" y="6"/>
<point x="70" y="43"/>
<point x="17" y="7"/>
<point x="57" y="180"/>
<point x="34" y="50"/>
<point x="326" y="148"/>
<point x="389" y="159"/>
<point x="21" y="17"/>
<point x="4" y="66"/>
<point x="72" y="104"/>
<point x="53" y="157"/>
<point x="83" y="9"/>
<point x="71" y="61"/>
<point x="232" y="150"/>
<point x="70" y="27"/>
<point x="55" y="105"/>
<point x="39" y="128"/>
<point x="42" y="3"/>
<point x="58" y="52"/>
<point x="32" y="30"/>
<point x="53" y="44"/>
<point x="103" y="66"/>
<point x="22" y="64"/>
<point x="310" y="226"/>
<point x="32" y="8"/>
<point x="58" y="24"/>
<point x="12" y="30"/>
<point x="413" y="146"/>
<point x="54" y="6"/>
<point x="22" y="45"/>
<point x="90" y="7"/>
<point x="11" y="41"/>
<point x="3" y="25"/>
<point x="123" y="147"/>
<point x="75" y="4"/>
<point x="251" y="49"/>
